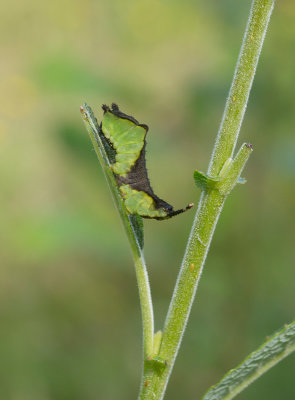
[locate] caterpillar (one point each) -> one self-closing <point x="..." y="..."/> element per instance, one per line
<point x="127" y="138"/>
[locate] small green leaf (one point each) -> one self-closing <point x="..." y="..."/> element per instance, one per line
<point x="205" y="182"/>
<point x="229" y="174"/>
<point x="157" y="363"/>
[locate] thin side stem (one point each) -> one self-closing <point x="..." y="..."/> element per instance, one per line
<point x="132" y="235"/>
<point x="210" y="204"/>
<point x="145" y="303"/>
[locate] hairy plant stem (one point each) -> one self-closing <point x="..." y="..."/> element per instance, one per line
<point x="154" y="381"/>
<point x="130" y="229"/>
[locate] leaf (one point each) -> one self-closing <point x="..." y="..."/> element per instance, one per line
<point x="229" y="174"/>
<point x="157" y="363"/>
<point x="205" y="182"/>
<point x="279" y="346"/>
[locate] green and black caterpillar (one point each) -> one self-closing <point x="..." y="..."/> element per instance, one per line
<point x="126" y="138"/>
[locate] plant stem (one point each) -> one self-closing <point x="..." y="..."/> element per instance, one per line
<point x="241" y="85"/>
<point x="211" y="202"/>
<point x="133" y="234"/>
<point x="145" y="303"/>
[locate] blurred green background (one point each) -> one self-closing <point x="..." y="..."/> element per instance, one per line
<point x="69" y="309"/>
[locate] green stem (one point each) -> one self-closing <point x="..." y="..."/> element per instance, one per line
<point x="132" y="230"/>
<point x="241" y="85"/>
<point x="211" y="202"/>
<point x="209" y="209"/>
<point x="145" y="303"/>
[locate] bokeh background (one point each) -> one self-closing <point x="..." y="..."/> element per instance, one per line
<point x="69" y="309"/>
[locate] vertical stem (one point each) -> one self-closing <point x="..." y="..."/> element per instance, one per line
<point x="241" y="85"/>
<point x="211" y="202"/>
<point x="210" y="206"/>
